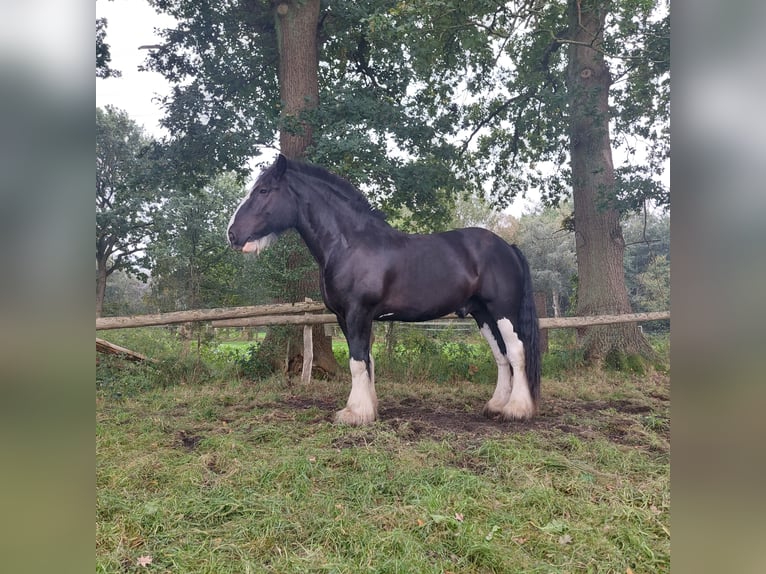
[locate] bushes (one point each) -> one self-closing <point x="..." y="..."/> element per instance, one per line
<point x="440" y="358"/>
<point x="624" y="362"/>
<point x="563" y="356"/>
<point x="117" y="379"/>
<point x="414" y="355"/>
<point x="171" y="362"/>
<point x="253" y="364"/>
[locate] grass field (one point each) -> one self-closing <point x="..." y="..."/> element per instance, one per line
<point x="232" y="475"/>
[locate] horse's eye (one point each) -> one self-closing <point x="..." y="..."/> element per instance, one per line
<point x="263" y="190"/>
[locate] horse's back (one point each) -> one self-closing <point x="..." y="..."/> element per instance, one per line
<point x="498" y="268"/>
<point x="486" y="248"/>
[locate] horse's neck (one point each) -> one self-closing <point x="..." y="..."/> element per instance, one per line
<point x="333" y="226"/>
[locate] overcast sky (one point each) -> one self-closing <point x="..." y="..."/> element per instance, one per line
<point x="131" y="24"/>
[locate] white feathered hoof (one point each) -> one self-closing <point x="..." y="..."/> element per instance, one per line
<point x="355" y="418"/>
<point x="492" y="409"/>
<point x="518" y="410"/>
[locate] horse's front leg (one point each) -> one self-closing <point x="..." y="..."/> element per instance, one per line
<point x="362" y="405"/>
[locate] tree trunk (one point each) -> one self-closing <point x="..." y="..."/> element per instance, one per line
<point x="101" y="275"/>
<point x="297" y="27"/>
<point x="600" y="245"/>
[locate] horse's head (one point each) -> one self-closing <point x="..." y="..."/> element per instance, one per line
<point x="267" y="210"/>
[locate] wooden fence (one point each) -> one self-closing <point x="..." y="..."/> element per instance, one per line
<point x="307" y="314"/>
<point x="313" y="313"/>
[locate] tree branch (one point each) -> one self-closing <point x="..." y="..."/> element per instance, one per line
<point x="500" y="109"/>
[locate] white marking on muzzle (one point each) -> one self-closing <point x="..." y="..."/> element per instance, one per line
<point x="234" y="215"/>
<point x="259" y="245"/>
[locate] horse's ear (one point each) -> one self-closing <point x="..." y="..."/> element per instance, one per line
<point x="281" y="166"/>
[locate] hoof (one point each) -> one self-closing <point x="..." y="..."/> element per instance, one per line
<point x="348" y="417"/>
<point x="518" y="411"/>
<point x="492" y="410"/>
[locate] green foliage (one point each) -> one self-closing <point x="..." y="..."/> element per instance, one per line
<point x="340" y="351"/>
<point x="125" y="295"/>
<point x="475" y="211"/>
<point x="154" y="342"/>
<point x="661" y="345"/>
<point x="564" y="355"/>
<point x="654" y="285"/>
<point x="259" y="361"/>
<point x="511" y="59"/>
<point x="125" y="197"/>
<point x="647" y="264"/>
<point x="188" y="370"/>
<point x="222" y="62"/>
<point x="550" y="249"/>
<point x="118" y="379"/>
<point x="526" y="121"/>
<point x="419" y="355"/>
<point x="103" y="52"/>
<point x="618" y="360"/>
<point x="418" y="101"/>
<point x="280" y="273"/>
<point x="192" y="265"/>
<point x="381" y="121"/>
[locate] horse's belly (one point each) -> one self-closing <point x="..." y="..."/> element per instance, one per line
<point x="422" y="304"/>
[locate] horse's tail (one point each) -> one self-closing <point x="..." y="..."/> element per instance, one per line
<point x="529" y="329"/>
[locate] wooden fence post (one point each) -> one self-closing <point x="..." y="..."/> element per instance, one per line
<point x="308" y="351"/>
<point x="541" y="304"/>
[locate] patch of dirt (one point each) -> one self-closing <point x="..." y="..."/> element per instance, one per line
<point x="413" y="420"/>
<point x="188" y="441"/>
<point x="642" y="423"/>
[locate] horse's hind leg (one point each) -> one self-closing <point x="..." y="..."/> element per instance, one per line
<point x="520" y="405"/>
<point x="502" y="394"/>
<point x="511" y="399"/>
<point x="362" y="405"/>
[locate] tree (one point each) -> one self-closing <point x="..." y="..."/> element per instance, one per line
<point x="551" y="86"/>
<point x="550" y="249"/>
<point x="191" y="267"/>
<point x="599" y="239"/>
<point x="103" y="53"/>
<point x="123" y="197"/>
<point x="420" y="99"/>
<point x="297" y="28"/>
<point x="246" y="70"/>
<point x="297" y="25"/>
<point x="323" y="77"/>
<point x="125" y="295"/>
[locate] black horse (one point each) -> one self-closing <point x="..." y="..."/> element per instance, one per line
<point x="373" y="272"/>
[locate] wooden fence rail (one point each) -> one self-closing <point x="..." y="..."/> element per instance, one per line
<point x="129" y="322"/>
<point x="307" y="313"/>
<point x="294" y="314"/>
<point x="545" y="322"/>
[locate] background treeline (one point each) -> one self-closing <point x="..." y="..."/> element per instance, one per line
<point x="171" y="254"/>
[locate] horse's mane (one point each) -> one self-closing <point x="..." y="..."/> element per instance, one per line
<point x="339" y="187"/>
